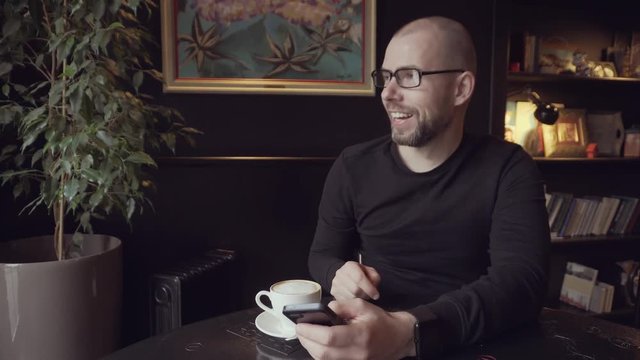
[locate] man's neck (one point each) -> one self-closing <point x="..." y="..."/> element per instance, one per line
<point x="430" y="156"/>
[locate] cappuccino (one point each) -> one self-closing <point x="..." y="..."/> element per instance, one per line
<point x="295" y="287"/>
<point x="288" y="292"/>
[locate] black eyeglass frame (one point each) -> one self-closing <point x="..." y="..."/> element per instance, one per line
<point x="422" y="73"/>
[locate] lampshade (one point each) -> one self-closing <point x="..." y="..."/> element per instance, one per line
<point x="546" y="113"/>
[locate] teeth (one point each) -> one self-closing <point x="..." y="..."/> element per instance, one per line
<point x="400" y="115"/>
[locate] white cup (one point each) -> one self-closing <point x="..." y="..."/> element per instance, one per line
<point x="288" y="292"/>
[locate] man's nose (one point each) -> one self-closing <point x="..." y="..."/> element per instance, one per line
<point x="392" y="90"/>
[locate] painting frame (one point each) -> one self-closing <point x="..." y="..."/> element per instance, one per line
<point x="568" y="136"/>
<point x="358" y="81"/>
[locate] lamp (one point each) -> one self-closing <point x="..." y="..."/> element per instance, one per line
<point x="546" y="113"/>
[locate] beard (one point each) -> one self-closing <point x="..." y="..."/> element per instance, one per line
<point x="424" y="132"/>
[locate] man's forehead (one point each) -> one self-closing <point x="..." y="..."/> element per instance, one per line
<point x="412" y="50"/>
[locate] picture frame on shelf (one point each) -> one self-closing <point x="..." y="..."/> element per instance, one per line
<point x="568" y="136"/>
<point x="555" y="55"/>
<point x="603" y="69"/>
<point x="311" y="48"/>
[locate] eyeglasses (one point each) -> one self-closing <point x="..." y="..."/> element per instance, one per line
<point x="405" y="77"/>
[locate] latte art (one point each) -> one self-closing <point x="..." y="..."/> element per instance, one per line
<point x="295" y="287"/>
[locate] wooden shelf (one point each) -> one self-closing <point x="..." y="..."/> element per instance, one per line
<point x="539" y="78"/>
<point x="604" y="239"/>
<point x="588" y="160"/>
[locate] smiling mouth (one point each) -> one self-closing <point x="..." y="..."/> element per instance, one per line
<point x="397" y="115"/>
<point x="399" y="118"/>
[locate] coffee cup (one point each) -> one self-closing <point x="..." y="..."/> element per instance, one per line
<point x="289" y="292"/>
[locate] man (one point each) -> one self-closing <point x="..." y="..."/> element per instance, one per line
<point x="451" y="229"/>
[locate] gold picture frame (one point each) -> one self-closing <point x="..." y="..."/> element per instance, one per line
<point x="568" y="136"/>
<point x="284" y="47"/>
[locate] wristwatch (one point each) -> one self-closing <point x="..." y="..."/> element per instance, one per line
<point x="427" y="336"/>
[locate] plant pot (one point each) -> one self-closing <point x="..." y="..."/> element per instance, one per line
<point x="67" y="310"/>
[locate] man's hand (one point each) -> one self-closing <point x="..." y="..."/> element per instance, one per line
<point x="371" y="333"/>
<point x="355" y="280"/>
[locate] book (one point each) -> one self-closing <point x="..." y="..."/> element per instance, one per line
<point x="565" y="205"/>
<point x="578" y="284"/>
<point x="530" y="53"/>
<point x="562" y="230"/>
<point x="598" y="298"/>
<point x="613" y="204"/>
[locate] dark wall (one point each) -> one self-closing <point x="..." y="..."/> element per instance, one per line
<point x="263" y="209"/>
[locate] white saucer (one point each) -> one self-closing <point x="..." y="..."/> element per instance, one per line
<point x="270" y="325"/>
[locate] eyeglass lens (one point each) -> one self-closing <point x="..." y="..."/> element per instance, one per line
<point x="404" y="77"/>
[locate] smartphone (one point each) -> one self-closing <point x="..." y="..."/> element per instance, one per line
<point x="312" y="313"/>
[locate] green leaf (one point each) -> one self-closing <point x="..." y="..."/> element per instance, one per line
<point x="36" y="156"/>
<point x="8" y="149"/>
<point x="115" y="6"/>
<point x="140" y="157"/>
<point x="6" y="115"/>
<point x="10" y="27"/>
<point x="93" y="175"/>
<point x="131" y="207"/>
<point x="68" y="47"/>
<point x="59" y="25"/>
<point x="87" y="162"/>
<point x="115" y="25"/>
<point x="39" y="60"/>
<point x="133" y="4"/>
<point x="17" y="190"/>
<point x="28" y="140"/>
<point x="78" y="237"/>
<point x="104" y="137"/>
<point x="95" y="199"/>
<point x="66" y="166"/>
<point x="5" y="68"/>
<point x="5" y="90"/>
<point x="98" y="9"/>
<point x="70" y="70"/>
<point x="137" y="79"/>
<point x="97" y="40"/>
<point x="71" y="189"/>
<point x="75" y="100"/>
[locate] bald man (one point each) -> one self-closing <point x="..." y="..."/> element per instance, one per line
<point x="451" y="228"/>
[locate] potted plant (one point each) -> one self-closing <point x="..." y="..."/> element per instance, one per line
<point x="71" y="73"/>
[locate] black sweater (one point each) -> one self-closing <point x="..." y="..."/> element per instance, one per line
<point x="467" y="242"/>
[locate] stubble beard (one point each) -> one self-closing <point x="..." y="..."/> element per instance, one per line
<point x="424" y="132"/>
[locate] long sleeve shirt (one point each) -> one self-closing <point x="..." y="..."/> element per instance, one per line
<point x="467" y="241"/>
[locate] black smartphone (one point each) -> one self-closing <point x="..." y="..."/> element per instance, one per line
<point x="312" y="313"/>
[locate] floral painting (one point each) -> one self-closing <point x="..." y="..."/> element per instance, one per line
<point x="269" y="46"/>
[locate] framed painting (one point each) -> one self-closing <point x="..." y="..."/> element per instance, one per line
<point x="568" y="136"/>
<point x="319" y="47"/>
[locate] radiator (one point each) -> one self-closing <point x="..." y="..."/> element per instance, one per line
<point x="193" y="290"/>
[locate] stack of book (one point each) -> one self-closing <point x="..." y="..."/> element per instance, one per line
<point x="571" y="215"/>
<point x="581" y="289"/>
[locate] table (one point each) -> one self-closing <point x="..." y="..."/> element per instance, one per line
<point x="557" y="335"/>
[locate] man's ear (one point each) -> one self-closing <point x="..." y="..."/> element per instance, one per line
<point x="465" y="84"/>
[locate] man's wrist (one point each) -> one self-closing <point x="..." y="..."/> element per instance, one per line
<point x="407" y="332"/>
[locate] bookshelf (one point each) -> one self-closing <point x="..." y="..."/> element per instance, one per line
<point x="591" y="27"/>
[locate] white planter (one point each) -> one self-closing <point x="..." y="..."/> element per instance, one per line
<point x="60" y="310"/>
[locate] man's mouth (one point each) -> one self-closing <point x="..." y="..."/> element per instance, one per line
<point x="399" y="118"/>
<point x="398" y="115"/>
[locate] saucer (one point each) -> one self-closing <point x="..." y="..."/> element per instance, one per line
<point x="270" y="325"/>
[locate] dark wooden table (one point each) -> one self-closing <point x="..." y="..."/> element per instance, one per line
<point x="557" y="335"/>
